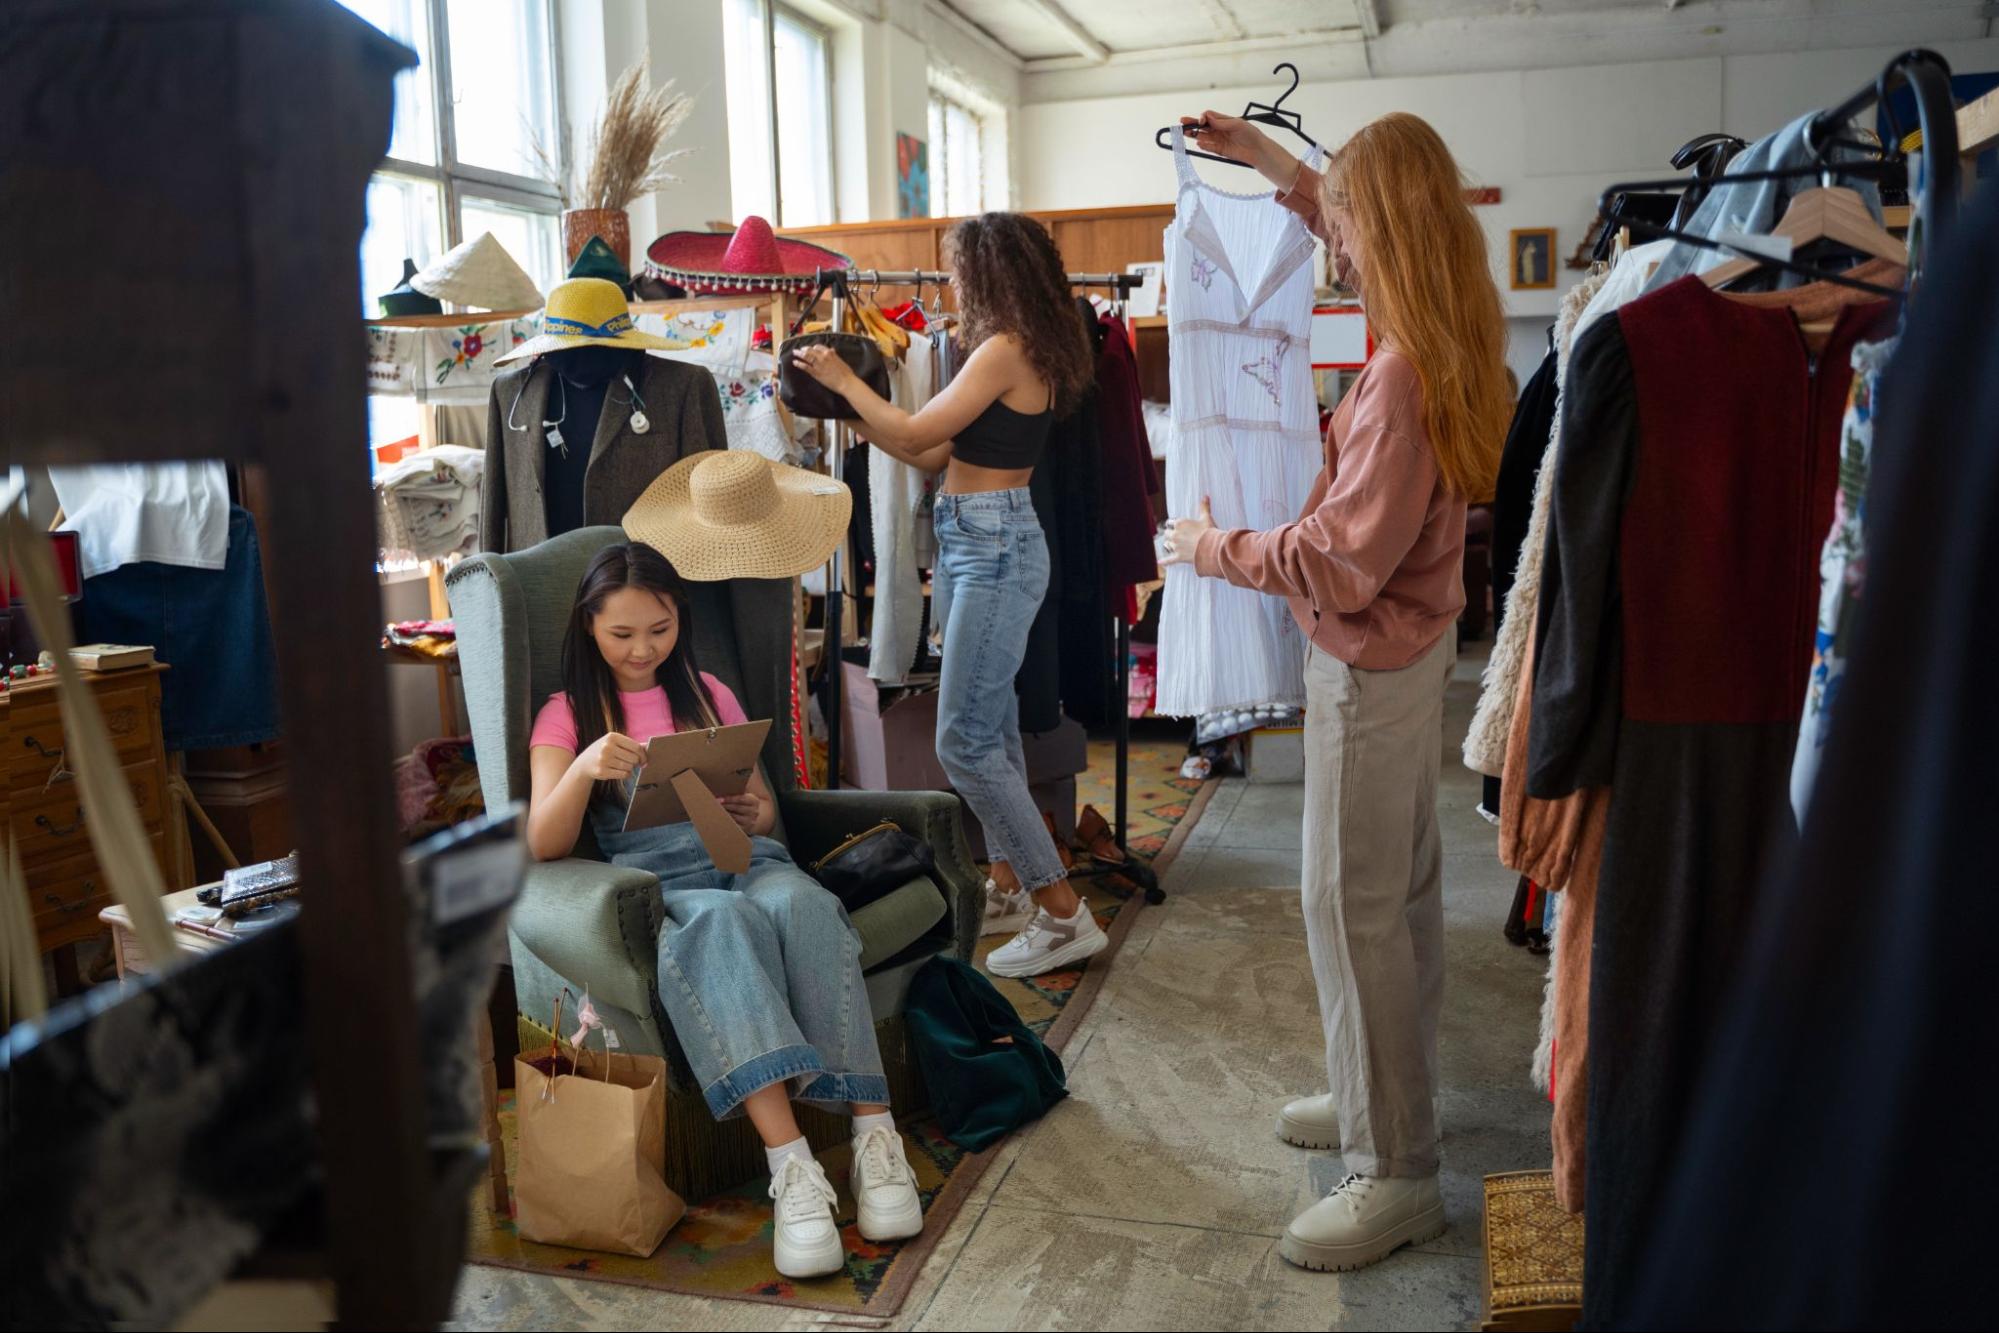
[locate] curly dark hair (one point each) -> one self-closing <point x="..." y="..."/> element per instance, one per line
<point x="1009" y="279"/>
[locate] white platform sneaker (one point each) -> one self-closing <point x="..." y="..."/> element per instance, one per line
<point x="1363" y="1221"/>
<point x="885" y="1196"/>
<point x="1314" y="1122"/>
<point x="804" y="1241"/>
<point x="1049" y="945"/>
<point x="1006" y="913"/>
<point x="1310" y="1122"/>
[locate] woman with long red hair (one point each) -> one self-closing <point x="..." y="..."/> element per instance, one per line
<point x="1373" y="572"/>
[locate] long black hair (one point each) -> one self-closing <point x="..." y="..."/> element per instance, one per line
<point x="587" y="678"/>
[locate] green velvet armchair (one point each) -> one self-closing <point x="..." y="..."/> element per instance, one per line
<point x="581" y="922"/>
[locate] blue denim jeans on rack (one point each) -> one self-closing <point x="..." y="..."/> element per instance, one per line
<point x="992" y="574"/>
<point x="759" y="973"/>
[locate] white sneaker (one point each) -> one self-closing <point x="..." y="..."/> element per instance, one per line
<point x="804" y="1241"/>
<point x="1006" y="913"/>
<point x="1363" y="1221"/>
<point x="885" y="1188"/>
<point x="1049" y="945"/>
<point x="1314" y="1122"/>
<point x="1310" y="1122"/>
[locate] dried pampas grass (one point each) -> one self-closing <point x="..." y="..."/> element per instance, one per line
<point x="627" y="152"/>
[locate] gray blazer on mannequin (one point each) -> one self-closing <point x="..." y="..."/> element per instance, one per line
<point x="685" y="409"/>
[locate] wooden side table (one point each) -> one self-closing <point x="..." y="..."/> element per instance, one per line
<point x="131" y="955"/>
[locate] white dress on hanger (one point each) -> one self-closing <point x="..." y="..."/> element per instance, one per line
<point x="1239" y="291"/>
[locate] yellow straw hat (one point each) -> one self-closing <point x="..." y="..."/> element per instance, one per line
<point x="586" y="312"/>
<point x="727" y="514"/>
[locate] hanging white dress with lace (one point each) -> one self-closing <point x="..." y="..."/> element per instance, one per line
<point x="1239" y="292"/>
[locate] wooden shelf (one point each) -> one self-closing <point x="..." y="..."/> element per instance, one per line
<point x="1978" y="125"/>
<point x="704" y="303"/>
<point x="463" y="320"/>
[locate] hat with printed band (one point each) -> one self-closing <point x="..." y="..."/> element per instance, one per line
<point x="728" y="513"/>
<point x="586" y="312"/>
<point x="754" y="259"/>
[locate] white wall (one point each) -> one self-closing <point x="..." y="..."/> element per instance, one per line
<point x="1549" y="139"/>
<point x="600" y="39"/>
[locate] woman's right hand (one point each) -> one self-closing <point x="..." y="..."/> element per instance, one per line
<point x="1232" y="136"/>
<point x="612" y="758"/>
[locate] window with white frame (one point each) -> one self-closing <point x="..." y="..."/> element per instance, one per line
<point x="471" y="121"/>
<point x="957" y="166"/>
<point x="780" y="95"/>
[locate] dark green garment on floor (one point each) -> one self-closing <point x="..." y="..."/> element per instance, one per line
<point x="986" y="1071"/>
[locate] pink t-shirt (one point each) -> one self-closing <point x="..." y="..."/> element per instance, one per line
<point x="647" y="714"/>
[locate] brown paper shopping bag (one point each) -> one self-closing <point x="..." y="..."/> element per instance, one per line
<point x="592" y="1149"/>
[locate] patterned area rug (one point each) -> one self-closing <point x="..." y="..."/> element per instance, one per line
<point x="722" y="1247"/>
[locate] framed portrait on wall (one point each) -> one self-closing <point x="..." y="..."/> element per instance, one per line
<point x="1532" y="255"/>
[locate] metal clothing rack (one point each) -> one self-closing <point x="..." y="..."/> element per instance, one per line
<point x="840" y="439"/>
<point x="1933" y="209"/>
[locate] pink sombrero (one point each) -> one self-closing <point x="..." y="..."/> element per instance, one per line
<point x="754" y="259"/>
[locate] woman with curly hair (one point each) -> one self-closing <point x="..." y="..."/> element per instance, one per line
<point x="1029" y="362"/>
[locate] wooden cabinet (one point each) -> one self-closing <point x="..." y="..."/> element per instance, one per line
<point x="44" y="810"/>
<point x="1092" y="240"/>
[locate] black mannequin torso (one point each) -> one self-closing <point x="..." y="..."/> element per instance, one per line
<point x="577" y="398"/>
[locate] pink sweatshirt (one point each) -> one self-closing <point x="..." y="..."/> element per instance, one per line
<point x="1374" y="566"/>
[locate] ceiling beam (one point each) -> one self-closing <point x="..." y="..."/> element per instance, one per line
<point x="1088" y="47"/>
<point x="972" y="32"/>
<point x="1205" y="50"/>
<point x="1369" y="14"/>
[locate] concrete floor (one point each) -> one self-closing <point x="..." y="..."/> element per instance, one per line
<point x="1154" y="1196"/>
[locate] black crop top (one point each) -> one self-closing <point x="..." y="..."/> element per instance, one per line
<point x="1000" y="437"/>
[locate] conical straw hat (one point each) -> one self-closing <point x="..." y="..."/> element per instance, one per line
<point x="480" y="273"/>
<point x="728" y="513"/>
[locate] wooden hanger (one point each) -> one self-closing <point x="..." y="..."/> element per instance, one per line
<point x="1825" y="213"/>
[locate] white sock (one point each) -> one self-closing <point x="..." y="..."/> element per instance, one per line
<point x="878" y="1120"/>
<point x="777" y="1156"/>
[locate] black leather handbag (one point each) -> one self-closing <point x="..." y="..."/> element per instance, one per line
<point x="807" y="397"/>
<point x="873" y="864"/>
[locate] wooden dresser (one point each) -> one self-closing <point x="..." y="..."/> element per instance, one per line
<point x="44" y="811"/>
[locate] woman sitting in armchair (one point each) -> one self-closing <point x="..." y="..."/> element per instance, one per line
<point x="759" y="972"/>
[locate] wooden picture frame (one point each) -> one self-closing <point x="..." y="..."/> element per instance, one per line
<point x="1530" y="259"/>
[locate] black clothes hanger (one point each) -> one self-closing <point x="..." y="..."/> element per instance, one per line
<point x="1706" y="155"/>
<point x="1272" y="113"/>
<point x="1608" y="209"/>
<point x="1928" y="75"/>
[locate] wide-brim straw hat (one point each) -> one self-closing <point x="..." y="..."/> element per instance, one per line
<point x="728" y="513"/>
<point x="754" y="259"/>
<point x="586" y="312"/>
<point x="482" y="274"/>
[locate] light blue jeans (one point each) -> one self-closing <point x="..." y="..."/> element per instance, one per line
<point x="992" y="574"/>
<point x="760" y="973"/>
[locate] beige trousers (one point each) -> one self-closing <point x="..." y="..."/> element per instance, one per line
<point x="1373" y="886"/>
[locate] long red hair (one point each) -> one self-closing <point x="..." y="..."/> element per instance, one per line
<point x="1429" y="289"/>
